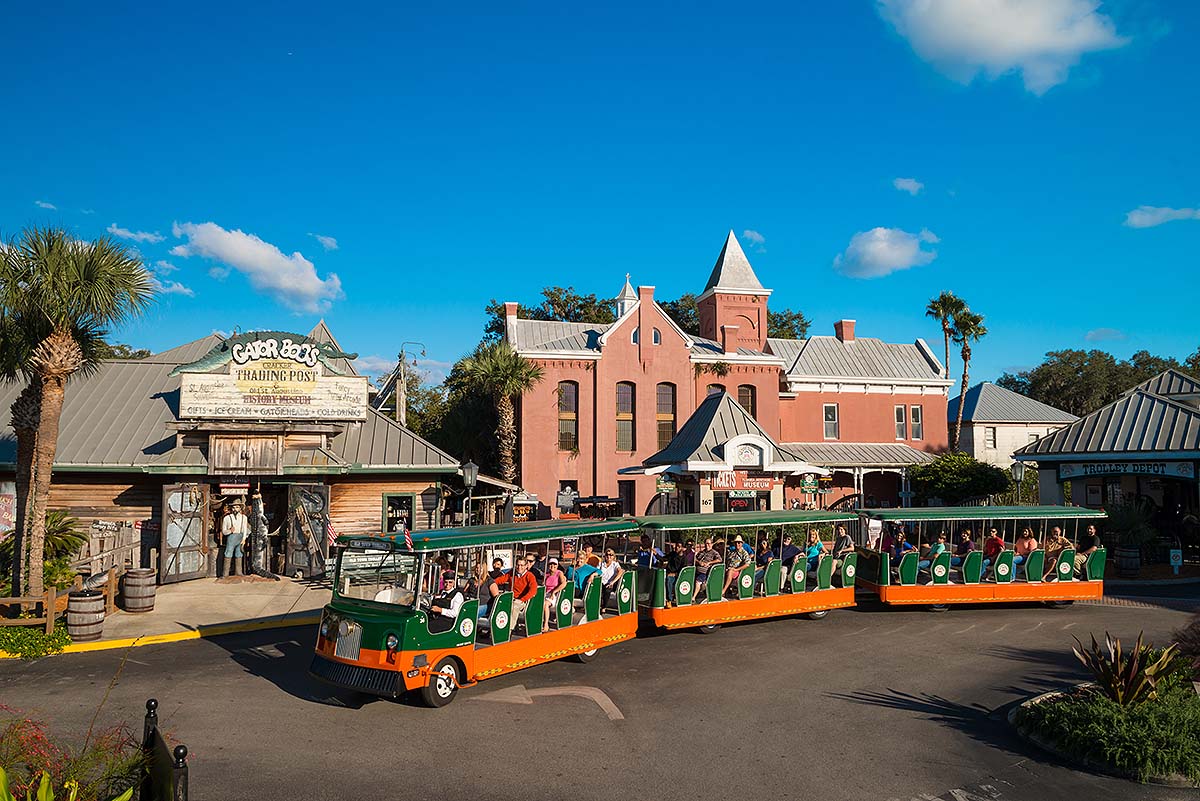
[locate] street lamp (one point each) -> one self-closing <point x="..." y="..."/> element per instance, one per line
<point x="470" y="474"/>
<point x="401" y="390"/>
<point x="1018" y="473"/>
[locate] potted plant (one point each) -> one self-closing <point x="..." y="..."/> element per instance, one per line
<point x="1130" y="522"/>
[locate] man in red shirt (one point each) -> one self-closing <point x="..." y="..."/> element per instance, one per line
<point x="993" y="546"/>
<point x="524" y="587"/>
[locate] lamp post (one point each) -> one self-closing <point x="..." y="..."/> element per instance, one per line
<point x="402" y="382"/>
<point x="470" y="474"/>
<point x="1018" y="473"/>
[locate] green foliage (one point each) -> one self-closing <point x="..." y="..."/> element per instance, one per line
<point x="719" y="369"/>
<point x="1188" y="640"/>
<point x="684" y="313"/>
<point x="1156" y="738"/>
<point x="787" y="324"/>
<point x="32" y="642"/>
<point x="1131" y="523"/>
<point x="108" y="766"/>
<point x="564" y="305"/>
<point x="63" y="541"/>
<point x="955" y="477"/>
<point x="119" y="351"/>
<point x="1126" y="677"/>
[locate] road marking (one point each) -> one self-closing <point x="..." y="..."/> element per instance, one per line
<point x="1069" y="626"/>
<point x="1038" y="626"/>
<point x="517" y="694"/>
<point x="856" y="633"/>
<point x="964" y="631"/>
<point x="1002" y="628"/>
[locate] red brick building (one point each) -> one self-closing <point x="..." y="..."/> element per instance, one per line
<point x="613" y="396"/>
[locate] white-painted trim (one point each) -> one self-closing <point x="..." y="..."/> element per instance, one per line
<point x="589" y="355"/>
<point x="772" y="361"/>
<point x="603" y="340"/>
<point x="724" y="290"/>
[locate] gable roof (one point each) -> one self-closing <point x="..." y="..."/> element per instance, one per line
<point x="1170" y="383"/>
<point x="858" y="454"/>
<point x="864" y="357"/>
<point x="1138" y="422"/>
<point x="187" y="352"/>
<point x="322" y="334"/>
<point x="551" y="335"/>
<point x="733" y="272"/>
<point x="989" y="403"/>
<point x="702" y="439"/>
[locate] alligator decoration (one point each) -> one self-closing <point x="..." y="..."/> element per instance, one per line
<point x="267" y="345"/>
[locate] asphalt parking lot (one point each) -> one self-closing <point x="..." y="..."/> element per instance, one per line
<point x="868" y="703"/>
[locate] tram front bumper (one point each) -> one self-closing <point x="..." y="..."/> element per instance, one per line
<point x="384" y="683"/>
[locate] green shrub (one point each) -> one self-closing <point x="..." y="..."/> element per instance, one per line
<point x="32" y="642"/>
<point x="1126" y="677"/>
<point x="1155" y="738"/>
<point x="109" y="764"/>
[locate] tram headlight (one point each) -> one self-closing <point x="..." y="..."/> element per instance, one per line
<point x="343" y="628"/>
<point x="392" y="642"/>
<point x="326" y="627"/>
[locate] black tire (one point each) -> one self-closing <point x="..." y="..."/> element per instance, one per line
<point x="441" y="691"/>
<point x="1059" y="604"/>
<point x="585" y="656"/>
<point x="820" y="614"/>
<point x="939" y="607"/>
<point x="709" y="629"/>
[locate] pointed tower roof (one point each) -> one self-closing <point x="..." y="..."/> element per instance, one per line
<point x="627" y="292"/>
<point x="322" y="334"/>
<point x="732" y="272"/>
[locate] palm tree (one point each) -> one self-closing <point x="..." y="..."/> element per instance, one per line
<point x="968" y="328"/>
<point x="500" y="372"/>
<point x="58" y="296"/>
<point x="943" y="308"/>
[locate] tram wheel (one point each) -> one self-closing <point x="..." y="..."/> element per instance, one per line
<point x="939" y="607"/>
<point x="709" y="629"/>
<point x="1059" y="604"/>
<point x="443" y="684"/>
<point x="819" y="615"/>
<point x="585" y="656"/>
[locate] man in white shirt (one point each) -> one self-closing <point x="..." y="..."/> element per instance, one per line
<point x="610" y="574"/>
<point x="445" y="609"/>
<point x="235" y="527"/>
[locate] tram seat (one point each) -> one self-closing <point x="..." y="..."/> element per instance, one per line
<point x="907" y="569"/>
<point x="714" y="583"/>
<point x="1064" y="566"/>
<point x="1093" y="569"/>
<point x="939" y="568"/>
<point x="847" y="569"/>
<point x="972" y="567"/>
<point x="772" y="577"/>
<point x="1034" y="565"/>
<point x="591" y="599"/>
<point x="824" y="571"/>
<point x="1002" y="571"/>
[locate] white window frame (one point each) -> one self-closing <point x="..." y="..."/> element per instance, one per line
<point x="901" y="417"/>
<point x="989" y="437"/>
<point x="836" y="421"/>
<point x="916" y="422"/>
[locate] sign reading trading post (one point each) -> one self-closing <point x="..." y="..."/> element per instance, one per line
<point x="270" y="376"/>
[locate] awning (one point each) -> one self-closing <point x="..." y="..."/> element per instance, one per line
<point x="840" y="455"/>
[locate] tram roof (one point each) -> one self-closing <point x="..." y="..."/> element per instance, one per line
<point x="741" y="519"/>
<point x="438" y="539"/>
<point x="984" y="513"/>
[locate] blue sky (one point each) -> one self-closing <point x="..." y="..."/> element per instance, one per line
<point x="392" y="169"/>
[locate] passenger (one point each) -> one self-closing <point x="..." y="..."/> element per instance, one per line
<point x="786" y="552"/>
<point x="554" y="582"/>
<point x="673" y="562"/>
<point x="445" y="608"/>
<point x="582" y="571"/>
<point x="1056" y="543"/>
<point x="901" y="547"/>
<point x="938" y="548"/>
<point x="1025" y="545"/>
<point x="445" y="581"/>
<point x="497" y="568"/>
<point x="736" y="560"/>
<point x="524" y="588"/>
<point x="537" y="563"/>
<point x="814" y="549"/>
<point x="689" y="553"/>
<point x="762" y="559"/>
<point x="888" y="545"/>
<point x="993" y="546"/>
<point x="705" y="561"/>
<point x="1087" y="546"/>
<point x="485" y="589"/>
<point x="648" y="555"/>
<point x="590" y="557"/>
<point x="749" y="549"/>
<point x="966" y="544"/>
<point x="843" y="546"/>
<point x="610" y="576"/>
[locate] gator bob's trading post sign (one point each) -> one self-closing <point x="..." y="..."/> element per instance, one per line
<point x="271" y="375"/>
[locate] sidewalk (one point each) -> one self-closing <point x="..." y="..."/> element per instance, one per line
<point x="204" y="608"/>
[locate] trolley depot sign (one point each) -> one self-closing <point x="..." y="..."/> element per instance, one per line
<point x="270" y="376"/>
<point x="1153" y="469"/>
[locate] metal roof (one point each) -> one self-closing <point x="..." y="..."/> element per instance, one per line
<point x="473" y="536"/>
<point x="988" y="403"/>
<point x="858" y="454"/>
<point x="1170" y="382"/>
<point x="713" y="347"/>
<point x="739" y="519"/>
<point x="702" y="438"/>
<point x="187" y="352"/>
<point x="322" y="334"/>
<point x="532" y="335"/>
<point x="863" y="357"/>
<point x="379" y="442"/>
<point x="1136" y="423"/>
<point x="733" y="272"/>
<point x="983" y="513"/>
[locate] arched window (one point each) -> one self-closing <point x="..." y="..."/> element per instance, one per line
<point x="635" y="336"/>
<point x="626" y="426"/>
<point x="568" y="416"/>
<point x="664" y="413"/>
<point x="747" y="399"/>
<point x="715" y="389"/>
<point x="657" y="337"/>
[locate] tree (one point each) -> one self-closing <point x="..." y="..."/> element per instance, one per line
<point x="955" y="477"/>
<point x="59" y="296"/>
<point x="558" y="304"/>
<point x="107" y="352"/>
<point x="943" y="308"/>
<point x="497" y="370"/>
<point x="684" y="313"/>
<point x="968" y="328"/>
<point x="1191" y="365"/>
<point x="787" y="324"/>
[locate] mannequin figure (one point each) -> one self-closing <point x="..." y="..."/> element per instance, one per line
<point x="235" y="527"/>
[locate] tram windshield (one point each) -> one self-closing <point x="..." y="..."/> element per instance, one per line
<point x="384" y="576"/>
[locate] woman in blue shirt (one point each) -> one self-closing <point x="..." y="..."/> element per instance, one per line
<point x="815" y="548"/>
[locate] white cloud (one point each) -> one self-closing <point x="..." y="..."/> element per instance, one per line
<point x="171" y="288"/>
<point x="42" y="204"/>
<point x="435" y="371"/>
<point x="756" y="240"/>
<point x="910" y="185"/>
<point x="374" y="365"/>
<point x="1041" y="39"/>
<point x="1150" y="216"/>
<point x="881" y="251"/>
<point x="291" y="280"/>
<point x="88" y="211"/>
<point x="1104" y="335"/>
<point x="327" y="242"/>
<point x="164" y="267"/>
<point x="136" y="236"/>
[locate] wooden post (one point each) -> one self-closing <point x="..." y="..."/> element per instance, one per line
<point x="48" y="609"/>
<point x="110" y="593"/>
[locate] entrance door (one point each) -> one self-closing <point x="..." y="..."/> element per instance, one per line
<point x="183" y="546"/>
<point x="307" y="530"/>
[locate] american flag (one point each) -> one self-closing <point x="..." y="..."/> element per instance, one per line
<point x="330" y="532"/>
<point x="408" y="538"/>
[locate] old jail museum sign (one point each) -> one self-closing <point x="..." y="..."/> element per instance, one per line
<point x="270" y="375"/>
<point x="1184" y="470"/>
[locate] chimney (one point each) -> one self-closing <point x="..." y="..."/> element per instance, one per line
<point x="646" y="295"/>
<point x="645" y="320"/>
<point x="729" y="338"/>
<point x="844" y="329"/>
<point x="510" y="314"/>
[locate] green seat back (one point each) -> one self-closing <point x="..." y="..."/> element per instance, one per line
<point x="772" y="576"/>
<point x="824" y="571"/>
<point x="745" y="582"/>
<point x="1064" y="568"/>
<point x="908" y="568"/>
<point x="798" y="576"/>
<point x="972" y="567"/>
<point x="627" y="593"/>
<point x="500" y="618"/>
<point x="564" y="605"/>
<point x="1002" y="571"/>
<point x="849" y="569"/>
<point x="591" y="598"/>
<point x="1034" y="565"/>
<point x="1094" y="570"/>
<point x="535" y="612"/>
<point x="685" y="586"/>
<point x="658" y="594"/>
<point x="939" y="568"/>
<point x="712" y="586"/>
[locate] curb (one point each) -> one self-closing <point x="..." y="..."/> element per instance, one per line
<point x="1083" y="764"/>
<point x="201" y="632"/>
<point x="1126" y="583"/>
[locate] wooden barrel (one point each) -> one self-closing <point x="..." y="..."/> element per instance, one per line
<point x="85" y="615"/>
<point x="137" y="590"/>
<point x="1129" y="561"/>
